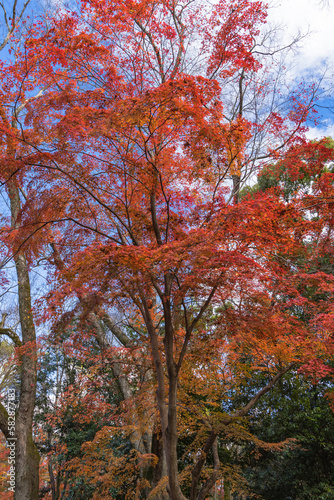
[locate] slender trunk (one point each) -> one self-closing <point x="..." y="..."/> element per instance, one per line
<point x="236" y="188"/>
<point x="63" y="493"/>
<point x="170" y="430"/>
<point x="160" y="470"/>
<point x="147" y="442"/>
<point x="236" y="178"/>
<point x="50" y="468"/>
<point x="27" y="456"/>
<point x="227" y="491"/>
<point x="52" y="479"/>
<point x="171" y="436"/>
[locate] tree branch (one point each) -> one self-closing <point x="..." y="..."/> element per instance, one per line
<point x="116" y="330"/>
<point x="4" y="421"/>
<point x="254" y="400"/>
<point x="214" y="476"/>
<point x="200" y="462"/>
<point x="12" y="335"/>
<point x="227" y="421"/>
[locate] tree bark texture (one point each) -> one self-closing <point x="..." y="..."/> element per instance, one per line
<point x="27" y="456"/>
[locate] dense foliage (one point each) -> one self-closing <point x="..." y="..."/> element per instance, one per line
<point x="182" y="315"/>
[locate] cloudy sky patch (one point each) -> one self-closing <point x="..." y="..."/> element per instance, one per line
<point x="315" y="57"/>
<point x="311" y="16"/>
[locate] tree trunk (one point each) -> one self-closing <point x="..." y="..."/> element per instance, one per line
<point x="148" y="442"/>
<point x="236" y="188"/>
<point x="169" y="420"/>
<point x="171" y="441"/>
<point x="27" y="456"/>
<point x="227" y="492"/>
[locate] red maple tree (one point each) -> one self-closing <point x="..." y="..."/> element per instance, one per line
<point x="132" y="166"/>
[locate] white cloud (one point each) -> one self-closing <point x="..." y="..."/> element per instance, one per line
<point x="307" y="15"/>
<point x="319" y="132"/>
<point x="316" y="51"/>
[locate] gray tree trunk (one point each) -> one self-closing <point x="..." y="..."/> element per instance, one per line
<point x="27" y="456"/>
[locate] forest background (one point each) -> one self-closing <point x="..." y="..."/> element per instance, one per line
<point x="167" y="253"/>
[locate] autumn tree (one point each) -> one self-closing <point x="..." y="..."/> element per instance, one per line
<point x="12" y="104"/>
<point x="131" y="169"/>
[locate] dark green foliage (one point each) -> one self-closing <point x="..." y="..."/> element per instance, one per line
<point x="294" y="409"/>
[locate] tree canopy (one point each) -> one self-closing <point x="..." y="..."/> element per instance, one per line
<point x="173" y="302"/>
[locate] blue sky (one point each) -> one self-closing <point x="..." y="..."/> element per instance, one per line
<point x="315" y="57"/>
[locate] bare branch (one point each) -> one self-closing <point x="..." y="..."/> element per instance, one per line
<point x="15" y="19"/>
